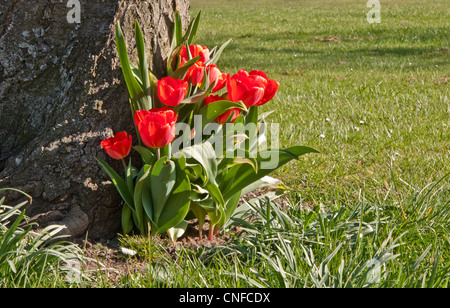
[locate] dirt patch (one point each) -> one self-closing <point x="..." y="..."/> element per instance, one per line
<point x="442" y="80"/>
<point x="329" y="39"/>
<point x="439" y="52"/>
<point x="106" y="258"/>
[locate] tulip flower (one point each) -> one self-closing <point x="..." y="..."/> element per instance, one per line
<point x="222" y="119"/>
<point x="172" y="91"/>
<point x="196" y="73"/>
<point x="271" y="87"/>
<point x="217" y="77"/>
<point x="246" y="88"/>
<point x="195" y="50"/>
<point x="156" y="126"/>
<point x="118" y="146"/>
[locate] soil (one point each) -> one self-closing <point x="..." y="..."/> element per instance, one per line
<point x="107" y="255"/>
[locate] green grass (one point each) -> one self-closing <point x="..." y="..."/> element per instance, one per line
<point x="365" y="245"/>
<point x="382" y="87"/>
<point x="373" y="99"/>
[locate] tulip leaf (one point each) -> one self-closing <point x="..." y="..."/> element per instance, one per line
<point x="177" y="205"/>
<point x="200" y="214"/>
<point x="119" y="183"/>
<point x="127" y="221"/>
<point x="143" y="67"/>
<point x="229" y="210"/>
<point x="199" y="96"/>
<point x="268" y="161"/>
<point x="133" y="86"/>
<point x="178" y="28"/>
<point x="204" y="155"/>
<point x="146" y="155"/>
<point x="218" y="53"/>
<point x="216" y="216"/>
<point x="177" y="41"/>
<point x="147" y="201"/>
<point x="238" y="157"/>
<point x="201" y="197"/>
<point x="139" y="190"/>
<point x="265" y="182"/>
<point x="181" y="72"/>
<point x="162" y="182"/>
<point x="175" y="232"/>
<point x="129" y="176"/>
<point x="192" y="33"/>
<point x="211" y="111"/>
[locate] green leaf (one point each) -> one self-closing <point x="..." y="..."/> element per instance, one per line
<point x="119" y="183"/>
<point x="230" y="208"/>
<point x="147" y="201"/>
<point x="237" y="157"/>
<point x="198" y="97"/>
<point x="215" y="193"/>
<point x="177" y="206"/>
<point x="265" y="182"/>
<point x="204" y="155"/>
<point x="218" y="53"/>
<point x="192" y="32"/>
<point x="200" y="214"/>
<point x="244" y="175"/>
<point x="181" y="72"/>
<point x="163" y="179"/>
<point x="217" y="217"/>
<point x="251" y="118"/>
<point x="146" y="155"/>
<point x="140" y="187"/>
<point x="129" y="176"/>
<point x="143" y="67"/>
<point x="211" y="111"/>
<point x="178" y="28"/>
<point x="133" y="86"/>
<point x="127" y="219"/>
<point x="177" y="231"/>
<point x="176" y="41"/>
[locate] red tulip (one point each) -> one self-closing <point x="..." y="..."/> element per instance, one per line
<point x="172" y="91"/>
<point x="222" y="119"/>
<point x="271" y="87"/>
<point x="118" y="146"/>
<point x="195" y="50"/>
<point x="195" y="73"/>
<point x="217" y="77"/>
<point x="156" y="126"/>
<point x="246" y="88"/>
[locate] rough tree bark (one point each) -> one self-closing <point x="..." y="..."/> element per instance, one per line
<point x="61" y="93"/>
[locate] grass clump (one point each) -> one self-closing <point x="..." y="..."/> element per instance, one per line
<point x="30" y="259"/>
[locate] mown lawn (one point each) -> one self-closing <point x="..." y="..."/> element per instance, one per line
<point x="372" y="98"/>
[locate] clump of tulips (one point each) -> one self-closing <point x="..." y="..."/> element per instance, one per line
<point x="202" y="141"/>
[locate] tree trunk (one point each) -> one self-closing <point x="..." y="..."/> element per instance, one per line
<point x="61" y="93"/>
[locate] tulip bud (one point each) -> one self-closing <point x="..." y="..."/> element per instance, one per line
<point x="156" y="126"/>
<point x="118" y="146"/>
<point x="172" y="91"/>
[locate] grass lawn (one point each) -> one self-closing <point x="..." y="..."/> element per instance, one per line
<point x="373" y="99"/>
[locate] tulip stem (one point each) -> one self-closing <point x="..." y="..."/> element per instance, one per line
<point x="124" y="163"/>
<point x="158" y="154"/>
<point x="211" y="233"/>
